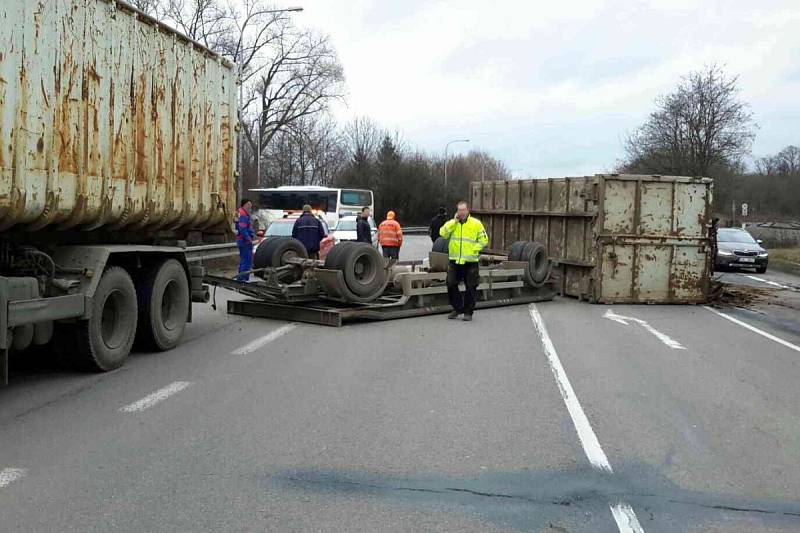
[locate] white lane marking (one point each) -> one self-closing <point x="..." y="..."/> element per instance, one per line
<point x="591" y="446"/>
<point x="755" y="329"/>
<point x="626" y="519"/>
<point x="10" y="475"/>
<point x="155" y="397"/>
<point x="768" y="282"/>
<point x="623" y="513"/>
<point x="266" y="339"/>
<point x="663" y="337"/>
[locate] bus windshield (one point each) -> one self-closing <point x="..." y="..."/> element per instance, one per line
<point x="295" y="200"/>
<point x="354" y="198"/>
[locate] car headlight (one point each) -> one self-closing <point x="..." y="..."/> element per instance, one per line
<point x="763" y="253"/>
<point x="726" y="253"/>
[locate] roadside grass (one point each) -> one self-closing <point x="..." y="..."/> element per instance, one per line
<point x="785" y="259"/>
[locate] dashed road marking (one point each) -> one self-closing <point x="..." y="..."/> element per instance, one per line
<point x="10" y="475"/>
<point x="663" y="337"/>
<point x="623" y="514"/>
<point x="773" y="283"/>
<point x="266" y="339"/>
<point x="755" y="329"/>
<point x="625" y="518"/>
<point x="155" y="397"/>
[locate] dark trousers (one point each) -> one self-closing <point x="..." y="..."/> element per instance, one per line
<point x="392" y="252"/>
<point x="245" y="259"/>
<point x="468" y="273"/>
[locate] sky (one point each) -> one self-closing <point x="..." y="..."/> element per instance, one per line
<point x="552" y="87"/>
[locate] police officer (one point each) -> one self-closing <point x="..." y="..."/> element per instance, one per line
<point x="467" y="238"/>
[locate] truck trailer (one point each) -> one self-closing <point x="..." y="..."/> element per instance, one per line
<point x="117" y="147"/>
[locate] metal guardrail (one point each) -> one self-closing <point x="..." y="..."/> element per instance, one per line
<point x="211" y="251"/>
<point x="229" y="249"/>
<point x="416" y="230"/>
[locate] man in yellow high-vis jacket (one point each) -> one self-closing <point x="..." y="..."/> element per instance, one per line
<point x="467" y="238"/>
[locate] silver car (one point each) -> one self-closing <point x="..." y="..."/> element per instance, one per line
<point x="345" y="230"/>
<point x="738" y="249"/>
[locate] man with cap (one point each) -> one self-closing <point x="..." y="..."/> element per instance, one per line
<point x="309" y="230"/>
<point x="390" y="236"/>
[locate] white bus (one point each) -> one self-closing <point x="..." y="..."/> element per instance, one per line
<point x="331" y="203"/>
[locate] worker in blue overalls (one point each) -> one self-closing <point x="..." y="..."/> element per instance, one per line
<point x="244" y="239"/>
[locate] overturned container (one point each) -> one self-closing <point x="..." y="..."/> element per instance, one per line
<point x="613" y="238"/>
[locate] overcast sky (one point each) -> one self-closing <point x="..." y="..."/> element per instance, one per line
<point x="551" y="87"/>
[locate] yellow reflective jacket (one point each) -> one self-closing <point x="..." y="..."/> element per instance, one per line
<point x="467" y="239"/>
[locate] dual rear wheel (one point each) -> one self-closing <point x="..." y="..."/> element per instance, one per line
<point x="153" y="313"/>
<point x="362" y="268"/>
<point x="537" y="265"/>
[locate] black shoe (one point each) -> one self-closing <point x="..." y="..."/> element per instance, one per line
<point x="467" y="318"/>
<point x="453" y="314"/>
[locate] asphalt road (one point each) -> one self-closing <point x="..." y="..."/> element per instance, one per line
<point x="560" y="417"/>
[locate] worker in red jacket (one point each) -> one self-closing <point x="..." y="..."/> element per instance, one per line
<point x="390" y="236"/>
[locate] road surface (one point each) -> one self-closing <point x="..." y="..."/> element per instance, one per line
<point x="561" y="417"/>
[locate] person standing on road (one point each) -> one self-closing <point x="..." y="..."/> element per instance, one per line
<point x="436" y="224"/>
<point x="363" y="229"/>
<point x="390" y="236"/>
<point x="467" y="238"/>
<point x="309" y="230"/>
<point x="244" y="239"/>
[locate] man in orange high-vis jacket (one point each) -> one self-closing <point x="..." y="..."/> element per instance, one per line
<point x="390" y="236"/>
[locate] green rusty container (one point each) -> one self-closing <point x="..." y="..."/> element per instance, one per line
<point x="614" y="238"/>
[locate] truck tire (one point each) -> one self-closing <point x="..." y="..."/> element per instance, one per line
<point x="333" y="259"/>
<point x="274" y="251"/>
<point x="163" y="298"/>
<point x="363" y="269"/>
<point x="537" y="271"/>
<point x="441" y="245"/>
<point x="515" y="254"/>
<point x="105" y="340"/>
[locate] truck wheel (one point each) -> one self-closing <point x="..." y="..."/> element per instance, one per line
<point x="538" y="268"/>
<point x="515" y="254"/>
<point x="441" y="245"/>
<point x="163" y="297"/>
<point x="332" y="260"/>
<point x="105" y="340"/>
<point x="274" y="251"/>
<point x="362" y="266"/>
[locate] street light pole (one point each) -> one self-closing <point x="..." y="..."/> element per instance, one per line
<point x="240" y="177"/>
<point x="446" y="146"/>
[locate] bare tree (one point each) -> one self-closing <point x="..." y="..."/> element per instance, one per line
<point x="310" y="152"/>
<point x="208" y="22"/>
<point x="785" y="163"/>
<point x="362" y="137"/>
<point x="701" y="125"/>
<point x="292" y="74"/>
<point x="153" y="8"/>
<point x="301" y="79"/>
